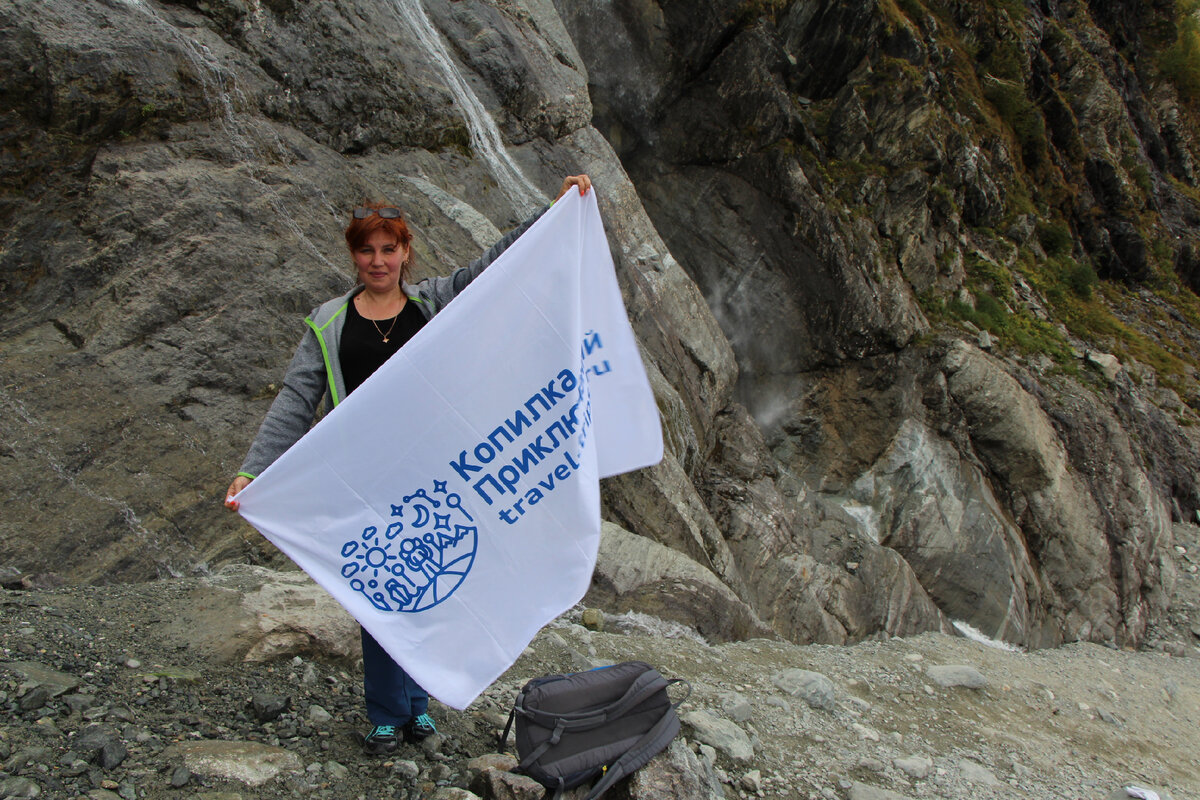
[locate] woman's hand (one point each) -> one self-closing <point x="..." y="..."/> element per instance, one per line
<point x="239" y="483"/>
<point x="582" y="181"/>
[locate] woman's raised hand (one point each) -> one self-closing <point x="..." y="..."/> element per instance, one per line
<point x="239" y="483"/>
<point x="582" y="181"/>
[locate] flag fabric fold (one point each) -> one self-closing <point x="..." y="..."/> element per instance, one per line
<point x="451" y="503"/>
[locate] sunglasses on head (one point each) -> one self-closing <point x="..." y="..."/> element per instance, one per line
<point x="387" y="212"/>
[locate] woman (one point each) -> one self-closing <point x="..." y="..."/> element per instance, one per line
<point x="348" y="338"/>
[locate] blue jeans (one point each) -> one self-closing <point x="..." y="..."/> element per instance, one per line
<point x="393" y="698"/>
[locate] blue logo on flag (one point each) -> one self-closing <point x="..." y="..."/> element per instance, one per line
<point x="420" y="558"/>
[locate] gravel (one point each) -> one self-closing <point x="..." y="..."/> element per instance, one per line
<point x="94" y="704"/>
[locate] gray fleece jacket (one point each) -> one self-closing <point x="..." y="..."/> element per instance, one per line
<point x="315" y="370"/>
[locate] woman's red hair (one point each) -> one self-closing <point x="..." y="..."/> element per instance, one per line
<point x="359" y="230"/>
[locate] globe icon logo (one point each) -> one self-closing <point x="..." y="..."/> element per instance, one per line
<point x="420" y="558"/>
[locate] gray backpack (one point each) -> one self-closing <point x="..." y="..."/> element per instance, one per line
<point x="604" y="723"/>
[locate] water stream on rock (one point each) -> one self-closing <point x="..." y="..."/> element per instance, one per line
<point x="485" y="136"/>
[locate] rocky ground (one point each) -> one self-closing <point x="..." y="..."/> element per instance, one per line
<point x="98" y="703"/>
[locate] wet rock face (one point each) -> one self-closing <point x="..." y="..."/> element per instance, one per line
<point x="746" y="207"/>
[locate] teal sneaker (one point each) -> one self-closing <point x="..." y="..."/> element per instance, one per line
<point x="419" y="728"/>
<point x="382" y="739"/>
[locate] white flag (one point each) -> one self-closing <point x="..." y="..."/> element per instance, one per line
<point x="451" y="503"/>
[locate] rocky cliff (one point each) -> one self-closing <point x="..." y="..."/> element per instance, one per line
<point x="914" y="281"/>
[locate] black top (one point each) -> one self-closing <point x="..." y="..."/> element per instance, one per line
<point x="362" y="349"/>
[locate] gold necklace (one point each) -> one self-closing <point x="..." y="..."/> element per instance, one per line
<point x="383" y="335"/>
<point x="389" y="330"/>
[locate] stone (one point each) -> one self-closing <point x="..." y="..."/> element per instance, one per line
<point x="499" y="761"/>
<point x="917" y="767"/>
<point x="970" y="558"/>
<point x="862" y="791"/>
<point x="813" y="687"/>
<point x="34" y="699"/>
<point x="865" y="732"/>
<point x="635" y="572"/>
<point x="11" y="578"/>
<point x="799" y="581"/>
<point x="675" y="774"/>
<point x="26" y="756"/>
<point x="780" y="703"/>
<point x="736" y="706"/>
<point x="721" y="734"/>
<point x="1106" y="363"/>
<point x="251" y="763"/>
<point x="497" y="784"/>
<point x="100" y="745"/>
<point x="180" y="777"/>
<point x="1140" y="789"/>
<point x="111" y="755"/>
<point x="55" y="682"/>
<point x="18" y="788"/>
<point x="593" y="619"/>
<point x="751" y="781"/>
<point x="975" y="773"/>
<point x="95" y="713"/>
<point x="175" y="674"/>
<point x="454" y="793"/>
<point x="317" y="715"/>
<point x="249" y="613"/>
<point x="78" y="703"/>
<point x="268" y="707"/>
<point x="951" y="675"/>
<point x="336" y="771"/>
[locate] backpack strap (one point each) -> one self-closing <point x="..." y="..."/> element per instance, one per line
<point x="681" y="700"/>
<point x="646" y="685"/>
<point x="508" y="727"/>
<point x="642" y="751"/>
<point x="543" y="747"/>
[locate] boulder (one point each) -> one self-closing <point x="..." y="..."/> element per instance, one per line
<point x="951" y="675"/>
<point x="245" y="613"/>
<point x="720" y="733"/>
<point x="38" y="675"/>
<point x="498" y="784"/>
<point x="634" y="573"/>
<point x="676" y="774"/>
<point x="813" y="687"/>
<point x="251" y="763"/>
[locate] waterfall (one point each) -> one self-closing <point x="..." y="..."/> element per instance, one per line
<point x="485" y="136"/>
